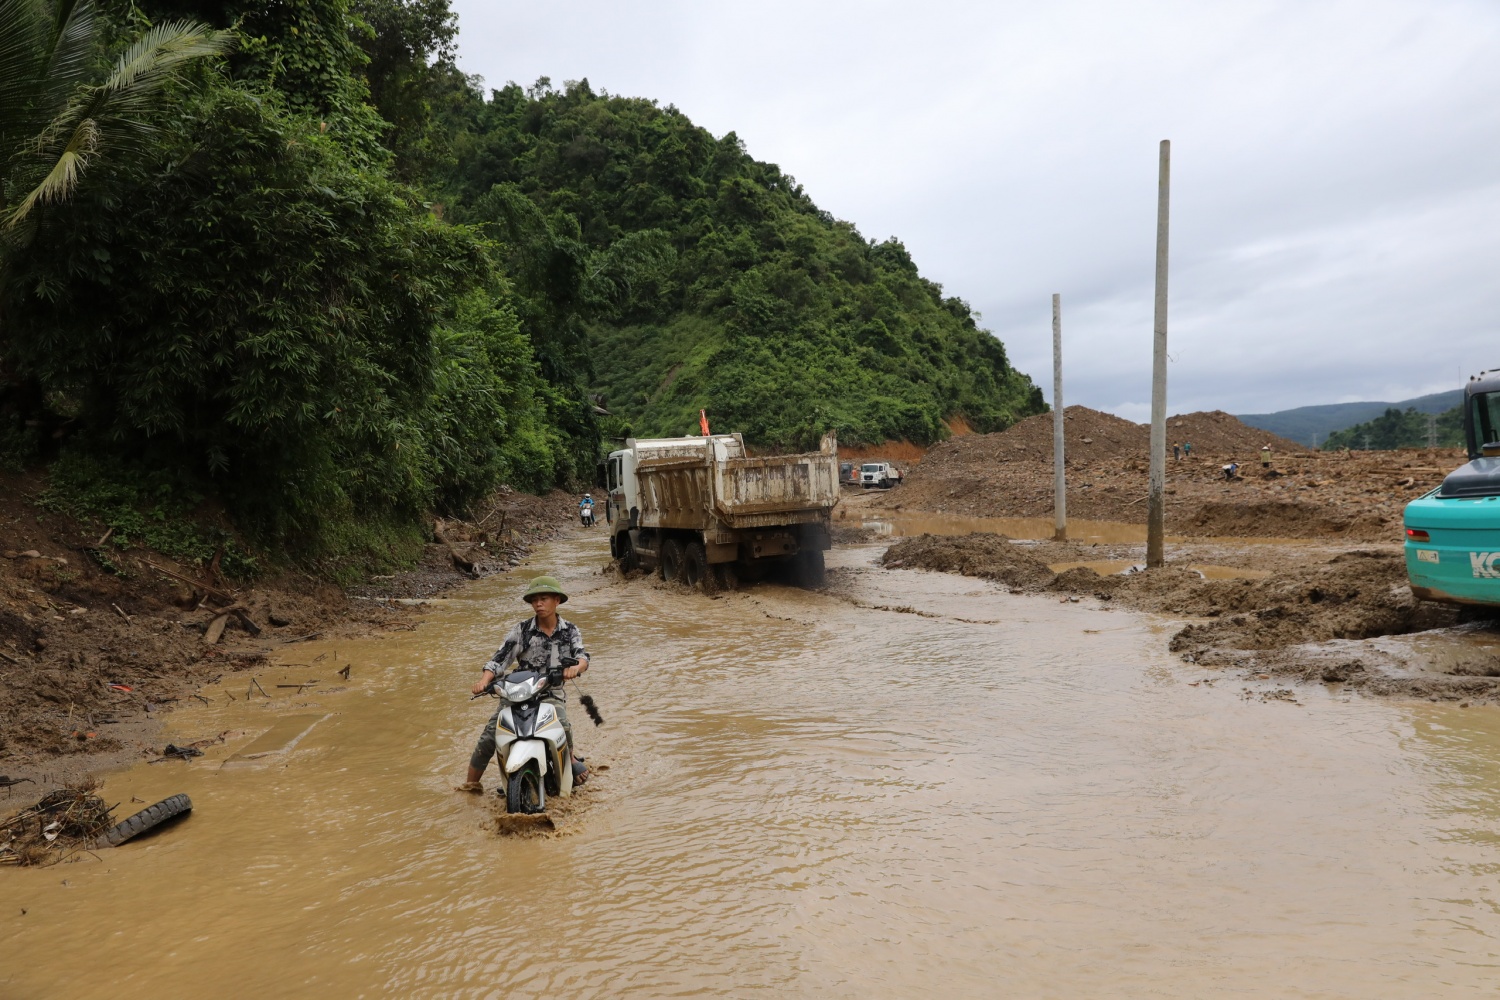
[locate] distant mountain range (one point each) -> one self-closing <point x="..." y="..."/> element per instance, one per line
<point x="1311" y="425"/>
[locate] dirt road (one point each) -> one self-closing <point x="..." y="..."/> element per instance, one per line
<point x="911" y="778"/>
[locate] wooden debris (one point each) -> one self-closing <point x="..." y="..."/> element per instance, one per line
<point x="214" y="592"/>
<point x="215" y="629"/>
<point x="460" y="561"/>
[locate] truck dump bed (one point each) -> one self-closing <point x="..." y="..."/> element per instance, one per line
<point x="703" y="483"/>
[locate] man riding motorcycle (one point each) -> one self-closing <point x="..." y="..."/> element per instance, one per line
<point x="534" y="644"/>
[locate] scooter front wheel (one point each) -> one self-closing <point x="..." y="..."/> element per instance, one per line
<point x="524" y="792"/>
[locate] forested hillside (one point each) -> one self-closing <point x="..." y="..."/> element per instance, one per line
<point x="287" y="259"/>
<point x="728" y="289"/>
<point x="1409" y="428"/>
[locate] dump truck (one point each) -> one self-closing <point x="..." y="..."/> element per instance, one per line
<point x="1453" y="532"/>
<point x="703" y="511"/>
<point x="882" y="475"/>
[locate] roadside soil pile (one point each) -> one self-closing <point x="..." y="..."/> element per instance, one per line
<point x="1303" y="494"/>
<point x="1092" y="435"/>
<point x="98" y="638"/>
<point x="993" y="557"/>
<point x="493" y="542"/>
<point x="1259" y="624"/>
<point x="1216" y="434"/>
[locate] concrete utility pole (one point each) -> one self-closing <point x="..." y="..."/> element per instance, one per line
<point x="1432" y="430"/>
<point x="1156" y="552"/>
<point x="1059" y="478"/>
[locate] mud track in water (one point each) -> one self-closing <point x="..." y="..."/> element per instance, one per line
<point x="1320" y="615"/>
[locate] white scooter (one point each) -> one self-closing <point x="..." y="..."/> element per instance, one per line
<point x="530" y="741"/>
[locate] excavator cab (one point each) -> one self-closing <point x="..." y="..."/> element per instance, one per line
<point x="1453" y="533"/>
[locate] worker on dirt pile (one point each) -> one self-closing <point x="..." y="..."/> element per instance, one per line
<point x="1177" y="452"/>
<point x="1187" y="448"/>
<point x="530" y="646"/>
<point x="1265" y="457"/>
<point x="1231" y="469"/>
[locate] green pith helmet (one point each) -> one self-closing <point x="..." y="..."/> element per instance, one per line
<point x="545" y="585"/>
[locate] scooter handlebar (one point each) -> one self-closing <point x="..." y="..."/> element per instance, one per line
<point x="554" y="678"/>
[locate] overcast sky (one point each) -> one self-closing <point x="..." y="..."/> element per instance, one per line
<point x="1335" y="167"/>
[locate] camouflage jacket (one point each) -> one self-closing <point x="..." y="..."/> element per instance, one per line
<point x="527" y="647"/>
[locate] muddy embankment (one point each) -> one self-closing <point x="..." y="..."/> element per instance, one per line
<point x="1302" y="494"/>
<point x="98" y="638"/>
<point x="1306" y="619"/>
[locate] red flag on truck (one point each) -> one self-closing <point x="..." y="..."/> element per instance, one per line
<point x="703" y="421"/>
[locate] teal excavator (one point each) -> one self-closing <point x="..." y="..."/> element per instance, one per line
<point x="1453" y="533"/>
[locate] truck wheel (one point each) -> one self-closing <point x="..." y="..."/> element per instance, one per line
<point x="671" y="560"/>
<point x="809" y="568"/>
<point x="725" y="578"/>
<point x="524" y="792"/>
<point x="695" y="566"/>
<point x="626" y="554"/>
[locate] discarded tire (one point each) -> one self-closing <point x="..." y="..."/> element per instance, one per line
<point x="146" y="819"/>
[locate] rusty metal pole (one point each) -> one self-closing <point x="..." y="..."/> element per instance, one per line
<point x="1155" y="500"/>
<point x="1059" y="477"/>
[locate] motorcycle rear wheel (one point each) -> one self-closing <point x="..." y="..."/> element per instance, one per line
<point x="524" y="792"/>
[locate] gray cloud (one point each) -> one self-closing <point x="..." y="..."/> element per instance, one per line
<point x="1336" y="210"/>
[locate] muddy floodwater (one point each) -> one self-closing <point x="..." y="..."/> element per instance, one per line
<point x="913" y="784"/>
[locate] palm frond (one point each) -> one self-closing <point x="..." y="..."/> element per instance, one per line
<point x="152" y="58"/>
<point x="62" y="179"/>
<point x="69" y="51"/>
<point x="23" y="38"/>
<point x="117" y="113"/>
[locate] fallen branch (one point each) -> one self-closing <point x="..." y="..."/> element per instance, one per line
<point x="211" y="591"/>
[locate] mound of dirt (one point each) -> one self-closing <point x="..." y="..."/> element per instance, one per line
<point x="1216" y="434"/>
<point x="1091" y="435"/>
<point x="992" y="557"/>
<point x="1356" y="595"/>
<point x="1303" y="494"/>
<point x="1280" y="519"/>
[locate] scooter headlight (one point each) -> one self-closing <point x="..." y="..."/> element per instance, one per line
<point x="523" y="689"/>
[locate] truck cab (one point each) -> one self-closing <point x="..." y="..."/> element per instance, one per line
<point x="1453" y="533"/>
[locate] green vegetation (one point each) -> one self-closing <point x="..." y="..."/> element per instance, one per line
<point x="289" y="257"/>
<point x="1400" y="429"/>
<point x="779" y="320"/>
<point x="132" y="506"/>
